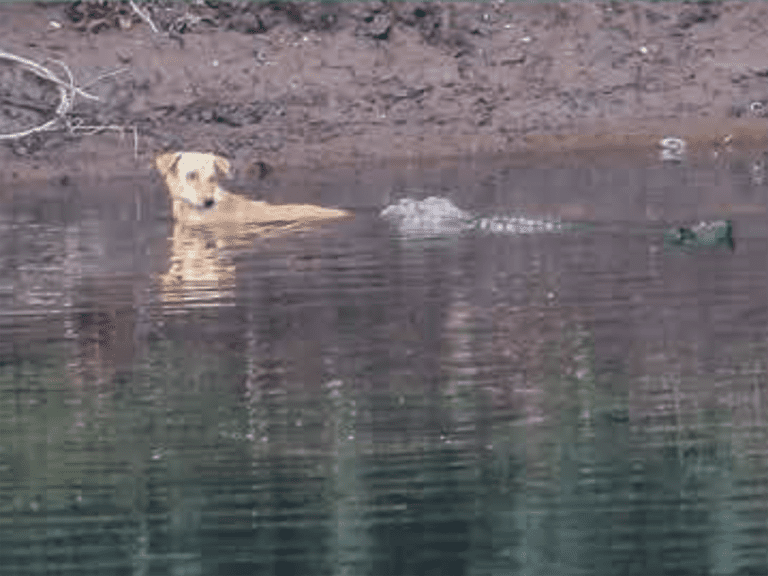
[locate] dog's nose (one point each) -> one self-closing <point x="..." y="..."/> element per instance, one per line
<point x="208" y="202"/>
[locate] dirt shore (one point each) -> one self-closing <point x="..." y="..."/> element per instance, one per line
<point x="302" y="86"/>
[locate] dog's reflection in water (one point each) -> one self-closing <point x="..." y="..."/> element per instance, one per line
<point x="210" y="223"/>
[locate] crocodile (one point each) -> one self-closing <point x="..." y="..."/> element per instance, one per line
<point x="437" y="217"/>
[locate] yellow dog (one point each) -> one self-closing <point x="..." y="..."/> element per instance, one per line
<point x="192" y="179"/>
<point x="210" y="221"/>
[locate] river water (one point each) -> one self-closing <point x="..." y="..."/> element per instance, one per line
<point x="362" y="400"/>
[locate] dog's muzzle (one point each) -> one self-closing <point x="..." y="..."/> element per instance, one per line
<point x="207" y="204"/>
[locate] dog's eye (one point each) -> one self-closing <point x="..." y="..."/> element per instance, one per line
<point x="191" y="175"/>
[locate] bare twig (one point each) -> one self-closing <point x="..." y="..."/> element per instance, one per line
<point x="67" y="91"/>
<point x="143" y="16"/>
<point x="89" y="129"/>
<point x="18" y="103"/>
<point x="105" y="75"/>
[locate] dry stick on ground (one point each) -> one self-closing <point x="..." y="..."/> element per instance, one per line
<point x="67" y="91"/>
<point x="143" y="16"/>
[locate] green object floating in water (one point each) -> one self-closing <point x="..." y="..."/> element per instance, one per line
<point x="704" y="235"/>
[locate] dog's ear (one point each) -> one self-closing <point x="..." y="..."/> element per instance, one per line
<point x="168" y="163"/>
<point x="222" y="166"/>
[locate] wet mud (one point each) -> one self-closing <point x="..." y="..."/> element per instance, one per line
<point x="277" y="86"/>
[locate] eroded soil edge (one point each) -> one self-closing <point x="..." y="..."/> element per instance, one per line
<point x="283" y="86"/>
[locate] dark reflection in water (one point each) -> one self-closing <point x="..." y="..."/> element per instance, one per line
<point x="357" y="400"/>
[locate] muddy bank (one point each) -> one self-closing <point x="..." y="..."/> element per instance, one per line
<point x="283" y="86"/>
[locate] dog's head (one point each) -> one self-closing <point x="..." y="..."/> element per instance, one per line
<point x="193" y="177"/>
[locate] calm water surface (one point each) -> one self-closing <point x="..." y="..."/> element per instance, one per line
<point x="359" y="401"/>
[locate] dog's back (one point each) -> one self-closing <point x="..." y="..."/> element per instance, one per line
<point x="192" y="180"/>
